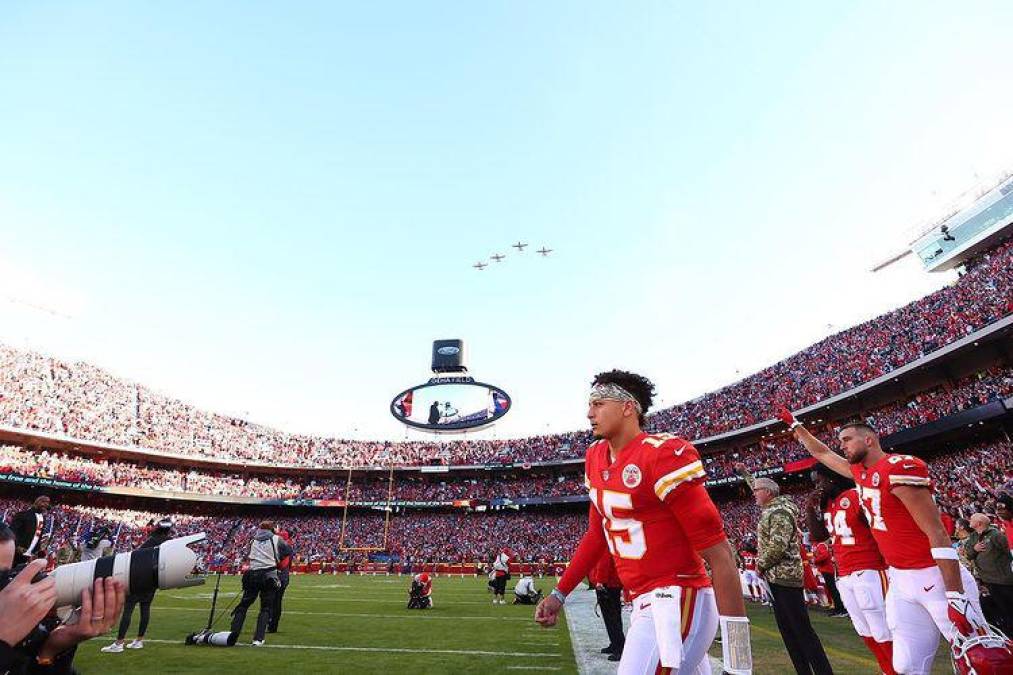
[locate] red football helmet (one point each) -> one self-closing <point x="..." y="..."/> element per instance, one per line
<point x="424" y="577"/>
<point x="990" y="654"/>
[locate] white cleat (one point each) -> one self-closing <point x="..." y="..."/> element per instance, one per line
<point x="114" y="648"/>
<point x="136" y="644"/>
<point x="258" y="643"/>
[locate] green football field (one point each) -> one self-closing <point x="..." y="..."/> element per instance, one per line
<point x="352" y="624"/>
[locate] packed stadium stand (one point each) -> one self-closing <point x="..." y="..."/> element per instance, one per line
<point x="935" y="377"/>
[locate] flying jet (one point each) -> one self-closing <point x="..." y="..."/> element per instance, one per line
<point x="544" y="251"/>
<point x="520" y="246"/>
<point x="497" y="257"/>
<point x="480" y="266"/>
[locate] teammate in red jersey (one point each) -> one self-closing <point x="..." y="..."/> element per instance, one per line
<point x="650" y="510"/>
<point x="929" y="594"/>
<point x="747" y="554"/>
<point x="861" y="570"/>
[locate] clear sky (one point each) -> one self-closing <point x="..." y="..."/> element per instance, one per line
<point x="272" y="209"/>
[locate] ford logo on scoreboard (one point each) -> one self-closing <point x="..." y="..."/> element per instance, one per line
<point x="450" y="405"/>
<point x="448" y="351"/>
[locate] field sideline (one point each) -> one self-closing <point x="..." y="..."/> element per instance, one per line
<point x="352" y="624"/>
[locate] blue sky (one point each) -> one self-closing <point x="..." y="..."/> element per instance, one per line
<point x="273" y="209"/>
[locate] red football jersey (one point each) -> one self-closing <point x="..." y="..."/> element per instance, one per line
<point x="808" y="575"/>
<point x="853" y="544"/>
<point x="900" y="540"/>
<point x="823" y="559"/>
<point x="654" y="512"/>
<point x="748" y="560"/>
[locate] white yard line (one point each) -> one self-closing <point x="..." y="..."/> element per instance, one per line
<point x="534" y="668"/>
<point x="458" y="652"/>
<point x="336" y="598"/>
<point x="413" y="616"/>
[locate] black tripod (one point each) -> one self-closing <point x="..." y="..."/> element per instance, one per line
<point x="192" y="638"/>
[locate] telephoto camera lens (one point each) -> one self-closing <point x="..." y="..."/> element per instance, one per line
<point x="170" y="565"/>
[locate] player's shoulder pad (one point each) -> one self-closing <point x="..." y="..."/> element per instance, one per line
<point x="675" y="462"/>
<point x="907" y="470"/>
<point x="591" y="456"/>
<point x="669" y="445"/>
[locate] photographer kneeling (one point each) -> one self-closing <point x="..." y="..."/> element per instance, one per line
<point x="260" y="580"/>
<point x="31" y="639"/>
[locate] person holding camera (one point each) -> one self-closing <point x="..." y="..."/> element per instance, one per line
<point x="159" y="535"/>
<point x="31" y="640"/>
<point x="260" y="580"/>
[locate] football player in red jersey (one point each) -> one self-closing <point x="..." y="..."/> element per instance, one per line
<point x="747" y="554"/>
<point x="860" y="567"/>
<point x="650" y="510"/>
<point x="930" y="594"/>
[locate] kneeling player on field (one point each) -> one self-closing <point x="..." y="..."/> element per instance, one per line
<point x="421" y="594"/>
<point x="649" y="509"/>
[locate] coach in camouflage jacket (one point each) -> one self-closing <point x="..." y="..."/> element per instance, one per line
<point x="779" y="562"/>
<point x="778" y="558"/>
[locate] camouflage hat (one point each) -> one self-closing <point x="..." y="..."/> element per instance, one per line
<point x="766" y="484"/>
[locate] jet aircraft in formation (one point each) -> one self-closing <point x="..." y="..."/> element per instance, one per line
<point x="499" y="257"/>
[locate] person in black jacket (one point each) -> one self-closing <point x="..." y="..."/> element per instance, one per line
<point x="161" y="533"/>
<point x="30" y="531"/>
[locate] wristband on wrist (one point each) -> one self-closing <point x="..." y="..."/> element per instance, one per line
<point x="558" y="595"/>
<point x="736" y="652"/>
<point x="795" y="425"/>
<point x="944" y="553"/>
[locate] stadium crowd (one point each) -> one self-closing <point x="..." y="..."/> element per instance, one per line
<point x="422" y="536"/>
<point x="117" y="473"/>
<point x="973" y="390"/>
<point x="85" y="402"/>
<point x="967" y="481"/>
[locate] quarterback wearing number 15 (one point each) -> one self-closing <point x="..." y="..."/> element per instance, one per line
<point x="650" y="511"/>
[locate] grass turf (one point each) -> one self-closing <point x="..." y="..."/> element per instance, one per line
<point x="352" y="624"/>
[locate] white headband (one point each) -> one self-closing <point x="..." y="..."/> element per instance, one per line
<point x="613" y="392"/>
